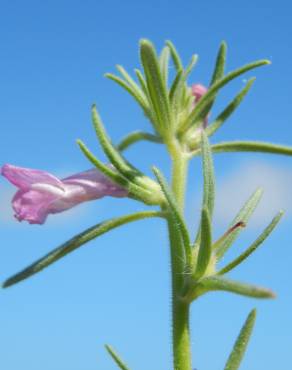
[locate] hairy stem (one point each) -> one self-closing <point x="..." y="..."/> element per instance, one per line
<point x="180" y="310"/>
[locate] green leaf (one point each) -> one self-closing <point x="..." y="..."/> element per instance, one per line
<point x="209" y="177"/>
<point x="116" y="358"/>
<point x="142" y="81"/>
<point x="205" y="248"/>
<point x="156" y="86"/>
<point x="231" y="107"/>
<point x="106" y="170"/>
<point x="251" y="146"/>
<point x="112" y="153"/>
<point x="218" y="72"/>
<point x="176" y="214"/>
<point x="130" y="81"/>
<point x="220" y="63"/>
<point x="191" y="65"/>
<point x="230" y="233"/>
<point x="175" y="56"/>
<point x="136" y="94"/>
<point x="135" y="190"/>
<point x="176" y="94"/>
<point x="253" y="246"/>
<point x="176" y="85"/>
<point x="214" y="283"/>
<point x="222" y="246"/>
<point x="136" y="136"/>
<point x="178" y="91"/>
<point x="164" y="63"/>
<point x="202" y="107"/>
<point x="76" y="242"/>
<point x="241" y="343"/>
<point x="209" y="180"/>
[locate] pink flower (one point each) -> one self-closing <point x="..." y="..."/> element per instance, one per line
<point x="198" y="91"/>
<point x="41" y="193"/>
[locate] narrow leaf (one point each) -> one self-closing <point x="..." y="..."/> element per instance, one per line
<point x="142" y="81"/>
<point x="191" y="65"/>
<point x="209" y="177"/>
<point x="130" y="81"/>
<point x="220" y="63"/>
<point x="243" y="215"/>
<point x="135" y="190"/>
<point x="136" y="136"/>
<point x="175" y="212"/>
<point x="205" y="248"/>
<point x="116" y="358"/>
<point x="202" y="107"/>
<point x="138" y="96"/>
<point x="106" y="170"/>
<point x="76" y="242"/>
<point x="251" y="146"/>
<point x="241" y="343"/>
<point x="231" y="107"/>
<point x="176" y="93"/>
<point x="179" y="90"/>
<point x="219" y="283"/>
<point x="218" y="72"/>
<point x="175" y="56"/>
<point x="112" y="153"/>
<point x="231" y="232"/>
<point x="209" y="180"/>
<point x="176" y="84"/>
<point x="253" y="246"/>
<point x="156" y="85"/>
<point x="164" y="63"/>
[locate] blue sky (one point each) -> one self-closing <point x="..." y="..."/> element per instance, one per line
<point x="116" y="289"/>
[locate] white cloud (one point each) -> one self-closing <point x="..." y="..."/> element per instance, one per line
<point x="234" y="190"/>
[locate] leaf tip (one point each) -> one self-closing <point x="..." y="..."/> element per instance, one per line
<point x="145" y="43"/>
<point x="5" y="284"/>
<point x="253" y="313"/>
<point x="223" y="45"/>
<point x="272" y="295"/>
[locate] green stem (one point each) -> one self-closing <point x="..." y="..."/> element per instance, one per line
<point x="179" y="177"/>
<point x="180" y="310"/>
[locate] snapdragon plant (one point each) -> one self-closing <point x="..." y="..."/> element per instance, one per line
<point x="179" y="115"/>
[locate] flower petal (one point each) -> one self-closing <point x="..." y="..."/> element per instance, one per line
<point x="198" y="91"/>
<point x="24" y="178"/>
<point x="95" y="184"/>
<point x="41" y="193"/>
<point x="32" y="206"/>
